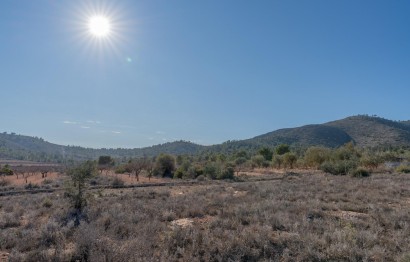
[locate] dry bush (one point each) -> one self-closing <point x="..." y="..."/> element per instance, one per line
<point x="313" y="217"/>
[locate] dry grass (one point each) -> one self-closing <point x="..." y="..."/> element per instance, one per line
<point x="35" y="179"/>
<point x="306" y="217"/>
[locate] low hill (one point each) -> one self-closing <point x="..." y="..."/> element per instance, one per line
<point x="364" y="131"/>
<point x="367" y="131"/>
<point x="20" y="147"/>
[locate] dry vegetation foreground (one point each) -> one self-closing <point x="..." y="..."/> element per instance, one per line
<point x="302" y="217"/>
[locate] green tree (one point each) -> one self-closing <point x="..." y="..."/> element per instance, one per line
<point x="165" y="165"/>
<point x="105" y="160"/>
<point x="241" y="153"/>
<point x="80" y="175"/>
<point x="266" y="152"/>
<point x="282" y="149"/>
<point x="105" y="163"/>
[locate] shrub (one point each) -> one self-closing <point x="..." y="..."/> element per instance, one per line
<point x="258" y="160"/>
<point x="179" y="173"/>
<point x="201" y="178"/>
<point x="360" y="172"/>
<point x="6" y="171"/>
<point x="289" y="159"/>
<point x="226" y="173"/>
<point x="371" y="161"/>
<point x="30" y="186"/>
<point x="47" y="203"/>
<point x="403" y="169"/>
<point x="4" y="182"/>
<point x="210" y="170"/>
<point x="277" y="161"/>
<point x="117" y="182"/>
<point x="122" y="169"/>
<point x="47" y="181"/>
<point x="315" y="156"/>
<point x="338" y="167"/>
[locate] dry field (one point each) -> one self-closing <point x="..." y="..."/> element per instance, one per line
<point x="38" y="179"/>
<point x="296" y="217"/>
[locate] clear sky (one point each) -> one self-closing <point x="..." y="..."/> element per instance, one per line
<point x="203" y="71"/>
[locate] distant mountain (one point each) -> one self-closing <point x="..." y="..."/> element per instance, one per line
<point x="13" y="146"/>
<point x="364" y="131"/>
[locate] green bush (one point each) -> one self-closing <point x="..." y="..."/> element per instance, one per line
<point x="403" y="169"/>
<point x="178" y="174"/>
<point x="277" y="161"/>
<point x="210" y="170"/>
<point x="122" y="169"/>
<point x="338" y="167"/>
<point x="315" y="156"/>
<point x="360" y="172"/>
<point x="226" y="173"/>
<point x="289" y="159"/>
<point x="282" y="149"/>
<point x="258" y="160"/>
<point x="6" y="171"/>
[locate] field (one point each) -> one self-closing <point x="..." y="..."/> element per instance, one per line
<point x="270" y="217"/>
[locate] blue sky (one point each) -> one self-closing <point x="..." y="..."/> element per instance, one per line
<point x="204" y="71"/>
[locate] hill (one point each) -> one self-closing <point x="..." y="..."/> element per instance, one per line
<point x="13" y="146"/>
<point x="367" y="131"/>
<point x="364" y="131"/>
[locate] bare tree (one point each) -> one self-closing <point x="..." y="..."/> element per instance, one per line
<point x="136" y="166"/>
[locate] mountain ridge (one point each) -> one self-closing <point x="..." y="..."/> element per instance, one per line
<point x="362" y="130"/>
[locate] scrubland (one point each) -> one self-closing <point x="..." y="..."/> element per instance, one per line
<point x="271" y="217"/>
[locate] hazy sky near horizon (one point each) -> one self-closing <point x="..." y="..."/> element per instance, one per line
<point x="204" y="71"/>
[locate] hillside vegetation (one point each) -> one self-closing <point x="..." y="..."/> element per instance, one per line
<point x="363" y="131"/>
<point x="375" y="131"/>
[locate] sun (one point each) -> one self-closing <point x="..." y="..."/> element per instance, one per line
<point x="99" y="26"/>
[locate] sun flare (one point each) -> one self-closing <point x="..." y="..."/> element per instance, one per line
<point x="99" y="26"/>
